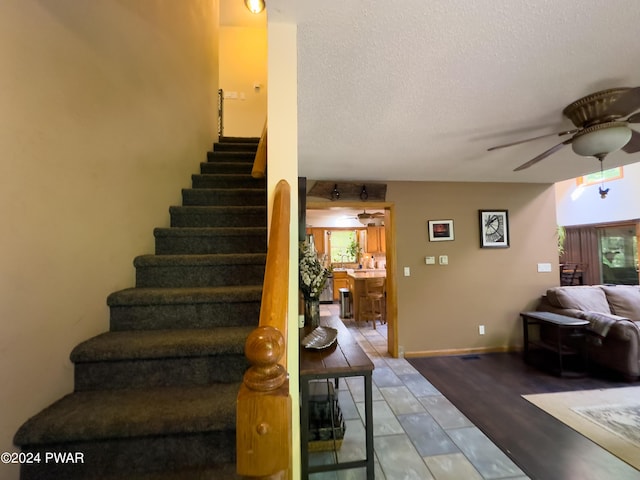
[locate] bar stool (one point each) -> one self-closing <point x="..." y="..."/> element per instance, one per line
<point x="372" y="301"/>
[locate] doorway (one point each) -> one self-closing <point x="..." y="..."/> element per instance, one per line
<point x="390" y="253"/>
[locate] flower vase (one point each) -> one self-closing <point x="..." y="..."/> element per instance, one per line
<point x="312" y="312"/>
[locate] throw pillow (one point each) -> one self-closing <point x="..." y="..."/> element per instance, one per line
<point x="585" y="298"/>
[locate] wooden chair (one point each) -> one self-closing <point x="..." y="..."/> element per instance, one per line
<point x="568" y="274"/>
<point x="372" y="301"/>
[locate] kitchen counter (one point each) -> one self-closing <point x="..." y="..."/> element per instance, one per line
<point x="356" y="286"/>
<point x="367" y="273"/>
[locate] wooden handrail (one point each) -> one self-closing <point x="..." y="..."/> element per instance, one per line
<point x="259" y="169"/>
<point x="263" y="420"/>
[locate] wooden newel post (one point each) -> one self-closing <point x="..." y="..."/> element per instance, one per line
<point x="264" y="428"/>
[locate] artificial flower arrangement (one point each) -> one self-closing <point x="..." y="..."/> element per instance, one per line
<point x="313" y="275"/>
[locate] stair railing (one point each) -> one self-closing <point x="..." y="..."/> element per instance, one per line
<point x="220" y="113"/>
<point x="260" y="162"/>
<point x="263" y="422"/>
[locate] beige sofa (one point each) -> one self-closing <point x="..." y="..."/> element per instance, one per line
<point x="613" y="312"/>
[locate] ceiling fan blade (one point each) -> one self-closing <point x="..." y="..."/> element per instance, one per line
<point x="543" y="155"/>
<point x="633" y="145"/>
<point x="626" y="104"/>
<point x="559" y="134"/>
<point x="635" y="118"/>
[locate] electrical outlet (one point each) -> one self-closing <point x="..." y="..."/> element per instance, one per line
<point x="430" y="260"/>
<point x="407" y="272"/>
<point x="444" y="259"/>
<point x="481" y="329"/>
<point x="400" y="351"/>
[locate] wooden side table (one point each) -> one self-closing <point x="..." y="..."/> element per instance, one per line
<point x="566" y="337"/>
<point x="344" y="358"/>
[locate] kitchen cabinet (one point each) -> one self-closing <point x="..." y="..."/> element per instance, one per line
<point x="340" y="280"/>
<point x="376" y="242"/>
<point x="318" y="239"/>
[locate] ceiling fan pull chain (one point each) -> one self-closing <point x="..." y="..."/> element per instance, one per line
<point x="602" y="191"/>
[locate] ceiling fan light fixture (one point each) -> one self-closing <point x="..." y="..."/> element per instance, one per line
<point x="601" y="139"/>
<point x="254" y="6"/>
<point x="365" y="218"/>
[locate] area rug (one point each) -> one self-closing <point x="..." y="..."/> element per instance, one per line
<point x="609" y="417"/>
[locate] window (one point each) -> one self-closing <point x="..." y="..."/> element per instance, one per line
<point x="341" y="240"/>
<point x="619" y="254"/>
<point x="599" y="177"/>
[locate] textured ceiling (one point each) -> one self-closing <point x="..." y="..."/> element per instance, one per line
<point x="418" y="90"/>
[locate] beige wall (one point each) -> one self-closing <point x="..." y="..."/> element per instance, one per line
<point x="440" y="307"/>
<point x="108" y="107"/>
<point x="243" y="64"/>
<point x="283" y="164"/>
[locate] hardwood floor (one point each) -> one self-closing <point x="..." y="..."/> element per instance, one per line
<point x="488" y="388"/>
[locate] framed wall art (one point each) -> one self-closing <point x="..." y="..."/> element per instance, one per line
<point x="494" y="228"/>
<point x="440" y="230"/>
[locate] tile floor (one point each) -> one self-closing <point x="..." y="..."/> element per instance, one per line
<point x="418" y="433"/>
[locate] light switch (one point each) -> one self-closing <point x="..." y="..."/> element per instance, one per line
<point x="444" y="260"/>
<point x="430" y="260"/>
<point x="407" y="272"/>
<point x="544" y="267"/>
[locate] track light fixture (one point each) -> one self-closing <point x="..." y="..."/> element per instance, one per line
<point x="335" y="194"/>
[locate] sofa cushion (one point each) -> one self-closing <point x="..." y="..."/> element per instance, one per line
<point x="624" y="300"/>
<point x="585" y="298"/>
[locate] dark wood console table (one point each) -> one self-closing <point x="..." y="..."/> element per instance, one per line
<point x="567" y="337"/>
<point x="344" y="358"/>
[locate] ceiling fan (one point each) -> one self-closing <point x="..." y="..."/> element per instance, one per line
<point x="601" y="126"/>
<point x="370" y="218"/>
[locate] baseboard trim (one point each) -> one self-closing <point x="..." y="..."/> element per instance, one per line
<point x="462" y="351"/>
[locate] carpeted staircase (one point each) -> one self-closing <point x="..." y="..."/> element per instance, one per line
<point x="155" y="396"/>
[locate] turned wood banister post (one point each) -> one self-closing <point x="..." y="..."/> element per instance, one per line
<point x="263" y="434"/>
<point x="263" y="348"/>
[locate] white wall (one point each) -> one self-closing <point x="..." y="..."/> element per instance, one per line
<point x="583" y="205"/>
<point x="107" y="108"/>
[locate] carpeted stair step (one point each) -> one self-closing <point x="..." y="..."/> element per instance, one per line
<point x="173" y="271"/>
<point x="239" y="157"/>
<point x="210" y="240"/>
<point x="160" y="358"/>
<point x="249" y="140"/>
<point x="155" y="396"/>
<point x="235" y="147"/>
<point x="214" y="216"/>
<point x="232" y="180"/>
<point x="224" y="196"/>
<point x="131" y="432"/>
<point x="220" y="166"/>
<point x="174" y="308"/>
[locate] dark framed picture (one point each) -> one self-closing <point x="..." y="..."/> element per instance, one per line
<point x="440" y="230"/>
<point x="494" y="228"/>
